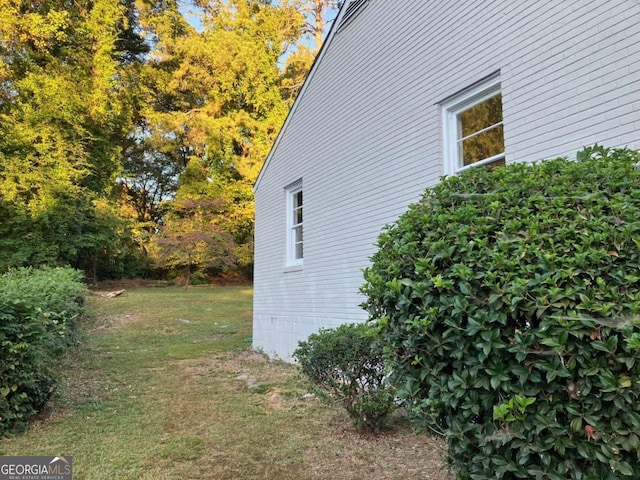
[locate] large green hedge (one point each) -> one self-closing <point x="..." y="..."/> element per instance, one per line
<point x="508" y="301"/>
<point x="38" y="314"/>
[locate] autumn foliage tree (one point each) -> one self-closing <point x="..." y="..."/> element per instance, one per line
<point x="192" y="238"/>
<point x="191" y="241"/>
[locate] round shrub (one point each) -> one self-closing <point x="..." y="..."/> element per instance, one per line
<point x="508" y="303"/>
<point x="346" y="364"/>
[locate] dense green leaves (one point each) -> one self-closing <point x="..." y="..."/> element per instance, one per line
<point x="508" y="301"/>
<point x="346" y="364"/>
<point x="63" y="113"/>
<point x="38" y="313"/>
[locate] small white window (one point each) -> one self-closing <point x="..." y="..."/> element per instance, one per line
<point x="294" y="224"/>
<point x="473" y="130"/>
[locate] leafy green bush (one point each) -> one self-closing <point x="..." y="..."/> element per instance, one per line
<point x="38" y="312"/>
<point x="346" y="363"/>
<point x="508" y="303"/>
<point x="26" y="376"/>
<point x="55" y="294"/>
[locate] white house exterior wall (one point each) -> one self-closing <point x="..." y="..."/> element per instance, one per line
<point x="365" y="136"/>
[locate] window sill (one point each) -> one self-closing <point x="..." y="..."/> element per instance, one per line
<point x="292" y="268"/>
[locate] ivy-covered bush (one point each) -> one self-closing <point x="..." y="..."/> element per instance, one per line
<point x="346" y="364"/>
<point x="508" y="304"/>
<point x="38" y="312"/>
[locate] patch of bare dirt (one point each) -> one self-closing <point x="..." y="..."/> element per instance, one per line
<point x="113" y="322"/>
<point x="341" y="451"/>
<point x="233" y="362"/>
<point x="397" y="454"/>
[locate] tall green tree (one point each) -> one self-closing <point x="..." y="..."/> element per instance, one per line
<point x="65" y="71"/>
<point x="318" y="15"/>
<point x="215" y="96"/>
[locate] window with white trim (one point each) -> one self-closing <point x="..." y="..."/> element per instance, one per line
<point x="294" y="224"/>
<point x="473" y="129"/>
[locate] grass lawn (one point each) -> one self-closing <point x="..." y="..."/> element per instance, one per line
<point x="165" y="386"/>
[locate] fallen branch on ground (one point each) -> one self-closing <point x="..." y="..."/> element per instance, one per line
<point x="115" y="293"/>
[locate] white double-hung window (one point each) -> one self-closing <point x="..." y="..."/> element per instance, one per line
<point x="473" y="130"/>
<point x="294" y="224"/>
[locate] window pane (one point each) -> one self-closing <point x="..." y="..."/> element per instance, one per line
<point x="473" y="132"/>
<point x="297" y="240"/>
<point x="481" y="116"/>
<point x="485" y="145"/>
<point x="297" y="216"/>
<point x="294" y="224"/>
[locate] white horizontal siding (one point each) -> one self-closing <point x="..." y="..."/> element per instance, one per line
<point x="366" y="136"/>
<point x="579" y="85"/>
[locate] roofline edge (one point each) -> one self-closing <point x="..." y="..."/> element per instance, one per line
<point x="306" y="82"/>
